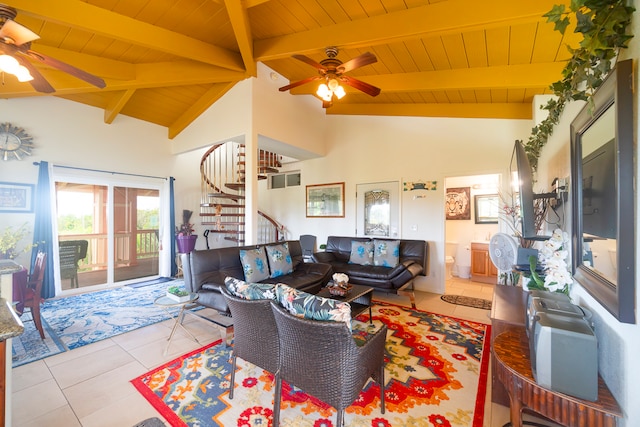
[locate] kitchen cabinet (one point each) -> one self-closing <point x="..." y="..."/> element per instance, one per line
<point x="482" y="269"/>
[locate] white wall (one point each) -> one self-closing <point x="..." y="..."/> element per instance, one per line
<point x="366" y="149"/>
<point x="618" y="344"/>
<point x="70" y="134"/>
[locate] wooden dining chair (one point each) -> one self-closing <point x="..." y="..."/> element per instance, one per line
<point x="33" y="293"/>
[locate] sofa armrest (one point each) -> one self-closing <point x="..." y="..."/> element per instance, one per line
<point x="324" y="257"/>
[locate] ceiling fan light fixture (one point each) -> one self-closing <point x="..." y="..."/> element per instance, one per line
<point x="324" y="92"/>
<point x="10" y="65"/>
<point x="339" y="92"/>
<point x="23" y="74"/>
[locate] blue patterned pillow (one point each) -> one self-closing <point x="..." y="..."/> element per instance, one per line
<point x="279" y="259"/>
<point x="254" y="264"/>
<point x="361" y="253"/>
<point x="251" y="291"/>
<point x="305" y="305"/>
<point x="386" y="253"/>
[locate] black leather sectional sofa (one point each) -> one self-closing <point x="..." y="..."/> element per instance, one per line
<point x="204" y="273"/>
<point x="413" y="261"/>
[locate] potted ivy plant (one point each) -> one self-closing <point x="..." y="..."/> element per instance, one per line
<point x="185" y="238"/>
<point x="177" y="294"/>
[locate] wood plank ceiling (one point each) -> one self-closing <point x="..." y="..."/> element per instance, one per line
<point x="167" y="61"/>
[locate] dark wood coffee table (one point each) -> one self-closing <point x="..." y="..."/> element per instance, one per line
<point x="359" y="297"/>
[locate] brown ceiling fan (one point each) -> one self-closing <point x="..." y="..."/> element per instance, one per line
<point x="15" y="41"/>
<point x="332" y="70"/>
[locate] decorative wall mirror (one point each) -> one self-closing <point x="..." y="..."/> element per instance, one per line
<point x="603" y="196"/>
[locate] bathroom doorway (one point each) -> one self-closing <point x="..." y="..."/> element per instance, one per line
<point x="471" y="205"/>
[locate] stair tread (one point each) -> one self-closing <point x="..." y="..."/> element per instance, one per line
<point x="224" y="205"/>
<point x="225" y="196"/>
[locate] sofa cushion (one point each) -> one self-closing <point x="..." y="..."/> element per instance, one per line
<point x="307" y="306"/>
<point x="251" y="291"/>
<point x="386" y="252"/>
<point x="361" y="253"/>
<point x="279" y="259"/>
<point x="254" y="264"/>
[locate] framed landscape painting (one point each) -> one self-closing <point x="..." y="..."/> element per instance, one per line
<point x="325" y="200"/>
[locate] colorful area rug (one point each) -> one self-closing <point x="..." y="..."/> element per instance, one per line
<point x="78" y="320"/>
<point x="483" y="304"/>
<point x="436" y="375"/>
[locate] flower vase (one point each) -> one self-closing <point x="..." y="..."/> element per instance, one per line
<point x="186" y="244"/>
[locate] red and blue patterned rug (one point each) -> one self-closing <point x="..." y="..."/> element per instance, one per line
<point x="436" y="375"/>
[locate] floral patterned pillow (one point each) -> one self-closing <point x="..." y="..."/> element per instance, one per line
<point x="279" y="259"/>
<point x="386" y="253"/>
<point x="254" y="264"/>
<point x="305" y="305"/>
<point x="251" y="291"/>
<point x="361" y="253"/>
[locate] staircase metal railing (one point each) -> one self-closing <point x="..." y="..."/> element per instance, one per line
<point x="222" y="208"/>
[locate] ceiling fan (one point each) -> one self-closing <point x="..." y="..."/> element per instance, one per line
<point x="15" y="41"/>
<point x="332" y="70"/>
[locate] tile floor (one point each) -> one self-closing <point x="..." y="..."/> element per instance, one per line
<point x="90" y="386"/>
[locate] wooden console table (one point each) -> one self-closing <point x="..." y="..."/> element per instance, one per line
<point x="513" y="369"/>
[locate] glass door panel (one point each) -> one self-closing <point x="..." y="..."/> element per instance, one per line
<point x="136" y="244"/>
<point x="82" y="234"/>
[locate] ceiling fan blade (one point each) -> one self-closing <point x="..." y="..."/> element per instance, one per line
<point x="19" y="34"/>
<point x="360" y="85"/>
<point x="39" y="83"/>
<point x="70" y="69"/>
<point x="310" y="61"/>
<point x="299" y="83"/>
<point x="357" y="62"/>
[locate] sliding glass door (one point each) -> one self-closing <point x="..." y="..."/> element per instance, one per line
<point x="107" y="232"/>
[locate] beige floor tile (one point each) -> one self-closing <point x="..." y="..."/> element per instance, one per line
<point x="36" y="401"/>
<point x="142" y="336"/>
<point x="122" y="411"/>
<point x="30" y="374"/>
<point x="90" y="365"/>
<point x="89" y="396"/>
<point x="77" y="353"/>
<point x="60" y="417"/>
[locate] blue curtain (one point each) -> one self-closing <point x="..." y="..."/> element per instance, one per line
<point x="43" y="230"/>
<point x="172" y="227"/>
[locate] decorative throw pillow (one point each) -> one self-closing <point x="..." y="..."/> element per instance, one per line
<point x="279" y="259"/>
<point x="251" y="291"/>
<point x="305" y="305"/>
<point x="386" y="253"/>
<point x="254" y="264"/>
<point x="361" y="253"/>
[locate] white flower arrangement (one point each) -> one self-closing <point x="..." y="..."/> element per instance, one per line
<point x="553" y="258"/>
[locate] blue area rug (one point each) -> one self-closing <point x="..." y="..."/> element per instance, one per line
<point x="78" y="320"/>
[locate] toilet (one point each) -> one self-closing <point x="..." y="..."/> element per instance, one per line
<point x="449" y="260"/>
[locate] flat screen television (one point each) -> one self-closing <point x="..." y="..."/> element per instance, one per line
<point x="521" y="168"/>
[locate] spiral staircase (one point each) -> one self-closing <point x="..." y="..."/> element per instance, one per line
<point x="222" y="205"/>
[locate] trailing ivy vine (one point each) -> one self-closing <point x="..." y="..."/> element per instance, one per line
<point x="603" y="25"/>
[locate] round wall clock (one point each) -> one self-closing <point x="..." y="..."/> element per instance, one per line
<point x="15" y="143"/>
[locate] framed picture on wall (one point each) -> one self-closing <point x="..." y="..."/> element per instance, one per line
<point x="487" y="208"/>
<point x="16" y="197"/>
<point x="325" y="200"/>
<point x="457" y="203"/>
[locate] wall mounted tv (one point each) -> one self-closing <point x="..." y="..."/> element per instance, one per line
<point x="521" y="168"/>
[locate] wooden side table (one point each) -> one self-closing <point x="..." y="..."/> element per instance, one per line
<point x="513" y="369"/>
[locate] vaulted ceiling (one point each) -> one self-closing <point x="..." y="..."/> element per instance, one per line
<point x="167" y="61"/>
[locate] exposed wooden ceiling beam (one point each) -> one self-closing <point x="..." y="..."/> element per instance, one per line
<point x="480" y="111"/>
<point x="199" y="107"/>
<point x="437" y="18"/>
<point x="501" y="77"/>
<point x="117" y="104"/>
<point x="79" y="14"/>
<point x="242" y="30"/>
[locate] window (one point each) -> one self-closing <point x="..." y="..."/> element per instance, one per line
<point x="282" y="180"/>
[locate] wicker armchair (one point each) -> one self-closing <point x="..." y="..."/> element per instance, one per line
<point x="255" y="336"/>
<point x="323" y="360"/>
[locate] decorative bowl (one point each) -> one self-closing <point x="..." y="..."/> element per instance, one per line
<point x="340" y="291"/>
